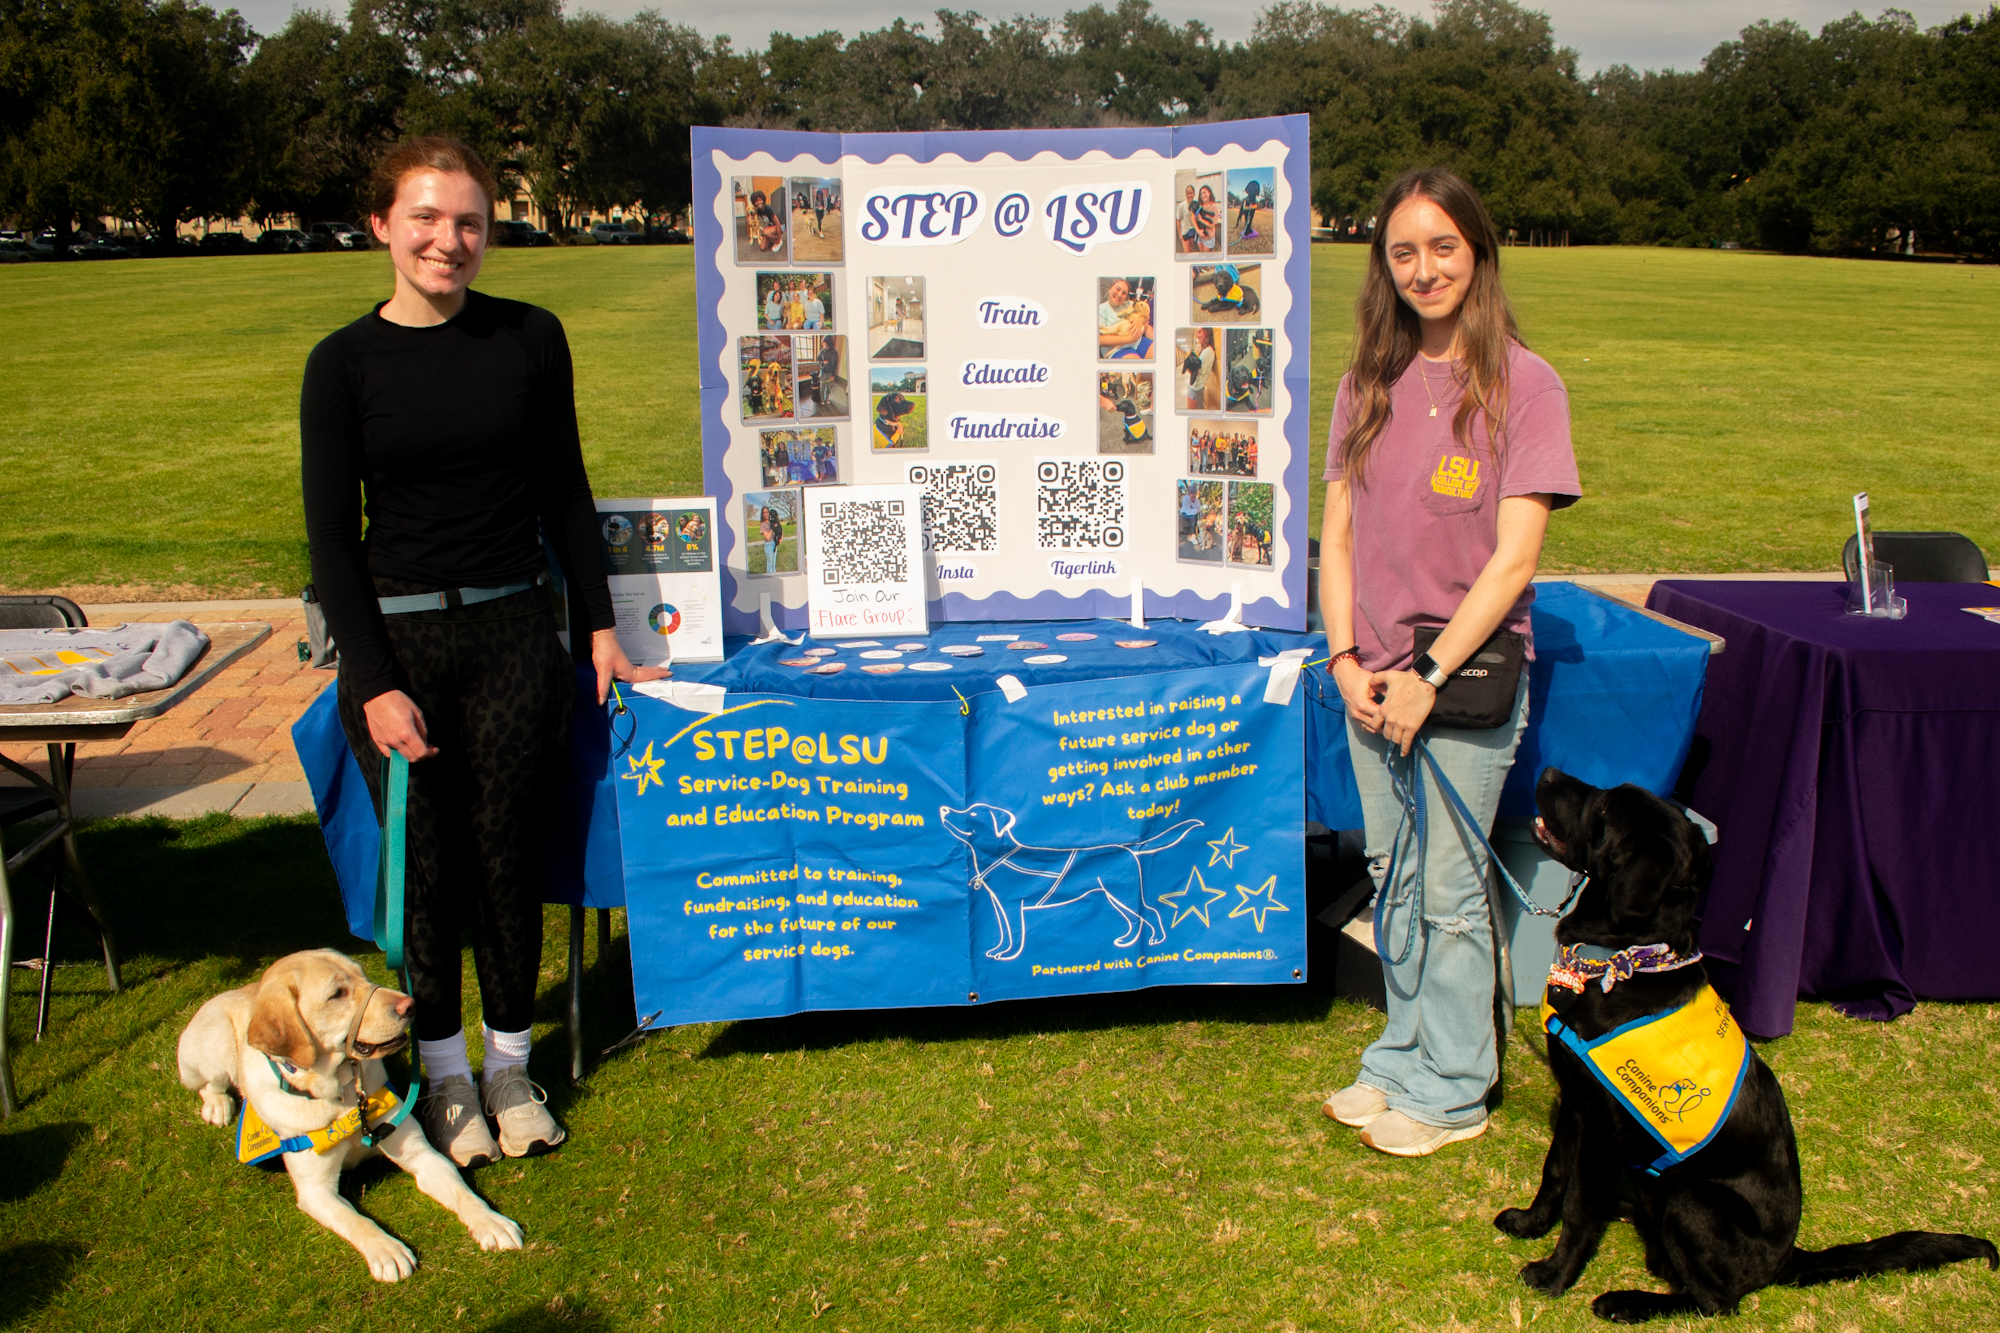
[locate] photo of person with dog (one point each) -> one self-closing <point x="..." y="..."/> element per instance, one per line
<point x="899" y="400"/>
<point x="1199" y="531"/>
<point x="771" y="532"/>
<point x="821" y="363"/>
<point x="1197" y="379"/>
<point x="795" y="301"/>
<point x="766" y="387"/>
<point x="1125" y="319"/>
<point x="1124" y="412"/>
<point x="758" y="205"/>
<point x="896" y="319"/>
<point x="1251" y="522"/>
<point x="1228" y="448"/>
<point x="1448" y="448"/>
<point x="1248" y="380"/>
<point x="448" y="417"/>
<point x="816" y="220"/>
<point x="1252" y="209"/>
<point x="1198" y="219"/>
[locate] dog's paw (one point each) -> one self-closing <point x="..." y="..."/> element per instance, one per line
<point x="1546" y="1276"/>
<point x="389" y="1260"/>
<point x="1636" y="1307"/>
<point x="217" y="1108"/>
<point x="494" y="1232"/>
<point x="1523" y="1223"/>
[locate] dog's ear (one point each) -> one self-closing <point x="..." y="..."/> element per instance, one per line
<point x="276" y="1026"/>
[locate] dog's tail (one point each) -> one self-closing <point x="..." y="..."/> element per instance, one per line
<point x="1159" y="842"/>
<point x="1905" y="1251"/>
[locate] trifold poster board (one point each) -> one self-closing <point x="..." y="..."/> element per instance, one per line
<point x="659" y="558"/>
<point x="1087" y="348"/>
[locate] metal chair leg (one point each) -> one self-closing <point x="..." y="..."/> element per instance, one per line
<point x="48" y="962"/>
<point x="59" y="774"/>
<point x="603" y="934"/>
<point x="576" y="994"/>
<point x="6" y="989"/>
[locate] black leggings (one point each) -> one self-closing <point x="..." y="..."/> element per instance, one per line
<point x="496" y="690"/>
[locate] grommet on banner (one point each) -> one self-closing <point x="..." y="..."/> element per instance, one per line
<point x="1232" y="619"/>
<point x="1012" y="688"/>
<point x="1138" y="604"/>
<point x="768" y="632"/>
<point x="1284" y="677"/>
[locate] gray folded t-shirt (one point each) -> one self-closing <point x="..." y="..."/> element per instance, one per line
<point x="41" y="666"/>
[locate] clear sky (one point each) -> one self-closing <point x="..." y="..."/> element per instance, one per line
<point x="1647" y="34"/>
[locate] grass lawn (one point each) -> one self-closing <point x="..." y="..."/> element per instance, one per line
<point x="1154" y="1161"/>
<point x="1729" y="405"/>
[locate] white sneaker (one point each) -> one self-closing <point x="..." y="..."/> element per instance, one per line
<point x="449" y="1112"/>
<point x="1357" y="1104"/>
<point x="1399" y="1136"/>
<point x="516" y="1105"/>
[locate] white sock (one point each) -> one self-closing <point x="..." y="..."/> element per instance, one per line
<point x="444" y="1058"/>
<point x="505" y="1049"/>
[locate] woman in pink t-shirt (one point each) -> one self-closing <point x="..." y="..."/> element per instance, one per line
<point x="1449" y="447"/>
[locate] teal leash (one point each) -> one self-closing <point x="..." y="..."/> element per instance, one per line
<point x="390" y="872"/>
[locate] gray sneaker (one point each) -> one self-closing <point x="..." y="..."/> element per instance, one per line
<point x="449" y="1113"/>
<point x="516" y="1105"/>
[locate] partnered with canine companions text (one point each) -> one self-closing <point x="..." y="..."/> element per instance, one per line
<point x="1695" y="1123"/>
<point x="303" y="1046"/>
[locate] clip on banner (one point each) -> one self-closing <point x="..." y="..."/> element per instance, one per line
<point x="1232" y="619"/>
<point x="692" y="695"/>
<point x="1284" y="677"/>
<point x="767" y="626"/>
<point x="1138" y="604"/>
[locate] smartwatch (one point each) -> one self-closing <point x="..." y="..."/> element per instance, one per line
<point x="1429" y="671"/>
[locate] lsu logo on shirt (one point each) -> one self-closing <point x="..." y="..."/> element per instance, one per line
<point x="1456" y="477"/>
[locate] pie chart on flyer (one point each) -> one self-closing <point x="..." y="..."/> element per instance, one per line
<point x="664" y="618"/>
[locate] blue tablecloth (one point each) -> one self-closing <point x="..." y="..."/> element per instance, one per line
<point x="1613" y="697"/>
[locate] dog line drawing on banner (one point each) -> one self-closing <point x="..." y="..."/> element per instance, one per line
<point x="1056" y="876"/>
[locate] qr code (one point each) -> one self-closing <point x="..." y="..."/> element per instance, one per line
<point x="961" y="505"/>
<point x="863" y="541"/>
<point x="1079" y="504"/>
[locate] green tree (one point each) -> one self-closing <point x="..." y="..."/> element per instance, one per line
<point x="325" y="102"/>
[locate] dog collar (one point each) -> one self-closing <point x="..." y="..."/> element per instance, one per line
<point x="1579" y="964"/>
<point x="257" y="1142"/>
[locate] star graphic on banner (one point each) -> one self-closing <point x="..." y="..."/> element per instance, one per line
<point x="645" y="769"/>
<point x="1249" y="906"/>
<point x="1200" y="909"/>
<point x="1225" y="849"/>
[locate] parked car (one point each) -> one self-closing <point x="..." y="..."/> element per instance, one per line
<point x="520" y="233"/>
<point x="339" y="235"/>
<point x="226" y="243"/>
<point x="88" y="245"/>
<point x="614" y="233"/>
<point x="670" y="236"/>
<point x="14" y="248"/>
<point x="286" y="241"/>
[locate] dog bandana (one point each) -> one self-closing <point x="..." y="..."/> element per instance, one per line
<point x="257" y="1142"/>
<point x="1575" y="967"/>
<point x="1677" y="1073"/>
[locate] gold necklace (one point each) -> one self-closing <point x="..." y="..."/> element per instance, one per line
<point x="1427" y="384"/>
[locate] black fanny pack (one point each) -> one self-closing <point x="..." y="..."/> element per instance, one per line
<point x="1480" y="694"/>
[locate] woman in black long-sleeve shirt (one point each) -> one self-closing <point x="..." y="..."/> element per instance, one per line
<point x="447" y="417"/>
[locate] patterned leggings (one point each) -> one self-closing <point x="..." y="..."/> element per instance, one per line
<point x="497" y="691"/>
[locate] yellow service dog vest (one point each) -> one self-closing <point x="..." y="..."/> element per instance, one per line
<point x="1677" y="1073"/>
<point x="257" y="1142"/>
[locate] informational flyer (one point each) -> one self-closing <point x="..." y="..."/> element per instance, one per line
<point x="659" y="557"/>
<point x="868" y="561"/>
<point x="1089" y="347"/>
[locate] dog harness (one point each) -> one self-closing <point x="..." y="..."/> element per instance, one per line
<point x="1677" y="1073"/>
<point x="1136" y="426"/>
<point x="257" y="1142"/>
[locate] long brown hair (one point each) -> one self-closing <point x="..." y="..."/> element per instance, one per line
<point x="1388" y="334"/>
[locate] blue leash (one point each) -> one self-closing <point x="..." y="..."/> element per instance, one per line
<point x="389" y="867"/>
<point x="1416" y="814"/>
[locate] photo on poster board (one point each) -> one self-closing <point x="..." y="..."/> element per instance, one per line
<point x="1125" y="307"/>
<point x="765" y="364"/>
<point x="1198" y="196"/>
<point x="868" y="561"/>
<point x="1197" y="371"/>
<point x="758" y="205"/>
<point x="899" y="398"/>
<point x="795" y="301"/>
<point x="1080" y="504"/>
<point x="1124" y="411"/>
<point x="961" y="505"/>
<point x="799" y="456"/>
<point x="816" y="220"/>
<point x="1198" y="522"/>
<point x="1222" y="448"/>
<point x="896" y="319"/>
<point x="1252" y="211"/>
<point x="820" y="361"/>
<point x="1225" y="293"/>
<point x="665" y="582"/>
<point x="773" y="538"/>
<point x="1251" y="360"/>
<point x="1251" y="523"/>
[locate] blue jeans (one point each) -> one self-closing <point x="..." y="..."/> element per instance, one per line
<point x="1436" y="1060"/>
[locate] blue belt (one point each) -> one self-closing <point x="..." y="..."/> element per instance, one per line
<point x="449" y="599"/>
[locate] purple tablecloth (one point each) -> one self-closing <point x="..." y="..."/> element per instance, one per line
<point x="1851" y="766"/>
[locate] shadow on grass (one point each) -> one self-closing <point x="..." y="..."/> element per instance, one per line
<point x="560" y="1313"/>
<point x="30" y="1277"/>
<point x="35" y="1157"/>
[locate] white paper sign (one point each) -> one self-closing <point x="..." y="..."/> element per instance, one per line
<point x="867" y="574"/>
<point x="666" y="587"/>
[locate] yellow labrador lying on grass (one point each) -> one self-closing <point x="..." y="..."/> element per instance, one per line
<point x="304" y="1047"/>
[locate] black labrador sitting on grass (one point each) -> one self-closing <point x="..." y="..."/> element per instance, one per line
<point x="1719" y="1214"/>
